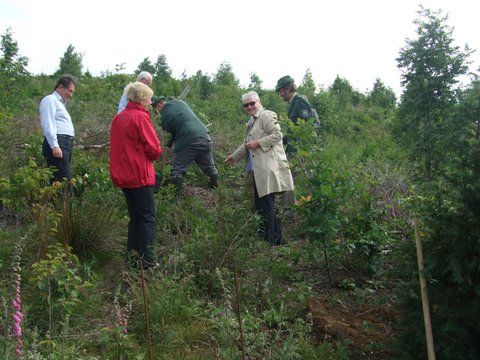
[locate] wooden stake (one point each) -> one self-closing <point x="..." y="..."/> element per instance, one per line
<point x="423" y="291"/>
<point x="149" y="340"/>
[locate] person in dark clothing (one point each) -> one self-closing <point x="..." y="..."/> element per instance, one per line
<point x="190" y="139"/>
<point x="298" y="106"/>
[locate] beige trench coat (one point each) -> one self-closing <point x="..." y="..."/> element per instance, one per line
<point x="270" y="167"/>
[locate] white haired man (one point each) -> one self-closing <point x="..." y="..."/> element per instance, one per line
<point x="266" y="164"/>
<point x="144" y="77"/>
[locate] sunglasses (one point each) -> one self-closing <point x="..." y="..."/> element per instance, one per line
<point x="251" y="103"/>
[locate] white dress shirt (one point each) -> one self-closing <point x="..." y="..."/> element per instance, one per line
<point x="55" y="119"/>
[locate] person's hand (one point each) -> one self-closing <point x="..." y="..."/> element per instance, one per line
<point x="57" y="153"/>
<point x="252" y="145"/>
<point x="229" y="160"/>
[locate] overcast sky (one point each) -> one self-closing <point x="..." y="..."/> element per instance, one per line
<point x="357" y="40"/>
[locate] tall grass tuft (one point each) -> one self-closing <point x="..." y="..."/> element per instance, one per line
<point x="92" y="227"/>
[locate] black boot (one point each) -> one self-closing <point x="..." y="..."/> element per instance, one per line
<point x="178" y="182"/>
<point x="158" y="182"/>
<point x="213" y="183"/>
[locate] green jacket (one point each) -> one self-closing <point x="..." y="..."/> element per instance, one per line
<point x="299" y="107"/>
<point x="180" y="121"/>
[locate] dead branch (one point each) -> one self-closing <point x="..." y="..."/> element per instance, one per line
<point x="89" y="147"/>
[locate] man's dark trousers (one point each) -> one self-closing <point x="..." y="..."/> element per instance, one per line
<point x="270" y="228"/>
<point x="63" y="168"/>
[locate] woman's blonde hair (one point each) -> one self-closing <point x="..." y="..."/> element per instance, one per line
<point x="138" y="92"/>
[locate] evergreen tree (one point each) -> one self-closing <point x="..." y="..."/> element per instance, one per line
<point x="13" y="72"/>
<point x="382" y="96"/>
<point x="163" y="83"/>
<point x="308" y="87"/>
<point x="450" y="212"/>
<point x="70" y="63"/>
<point x="11" y="63"/>
<point x="343" y="92"/>
<point x="203" y="85"/>
<point x="436" y="123"/>
<point x="145" y="65"/>
<point x="255" y="82"/>
<point x="225" y="75"/>
<point x="162" y="70"/>
<point x="431" y="66"/>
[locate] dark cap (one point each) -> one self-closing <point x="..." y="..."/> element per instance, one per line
<point x="284" y="82"/>
<point x="157" y="99"/>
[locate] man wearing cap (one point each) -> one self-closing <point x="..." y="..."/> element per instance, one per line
<point x="155" y="101"/>
<point x="298" y="106"/>
<point x="57" y="128"/>
<point x="144" y="77"/>
<point x="190" y="139"/>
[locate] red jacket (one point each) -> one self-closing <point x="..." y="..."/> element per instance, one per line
<point x="134" y="146"/>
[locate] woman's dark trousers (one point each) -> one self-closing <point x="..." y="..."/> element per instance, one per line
<point x="142" y="225"/>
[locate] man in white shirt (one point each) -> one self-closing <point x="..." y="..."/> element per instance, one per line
<point x="58" y="128"/>
<point x="144" y="77"/>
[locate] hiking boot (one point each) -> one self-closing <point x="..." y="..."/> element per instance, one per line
<point x="178" y="182"/>
<point x="213" y="183"/>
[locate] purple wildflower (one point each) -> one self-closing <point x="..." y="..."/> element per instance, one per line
<point x="17" y="310"/>
<point x="122" y="314"/>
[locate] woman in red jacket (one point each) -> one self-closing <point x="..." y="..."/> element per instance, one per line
<point x="134" y="146"/>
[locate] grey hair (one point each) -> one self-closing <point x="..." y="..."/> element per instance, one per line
<point x="138" y="92"/>
<point x="145" y="75"/>
<point x="251" y="94"/>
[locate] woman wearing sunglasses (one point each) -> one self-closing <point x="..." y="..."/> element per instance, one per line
<point x="266" y="164"/>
